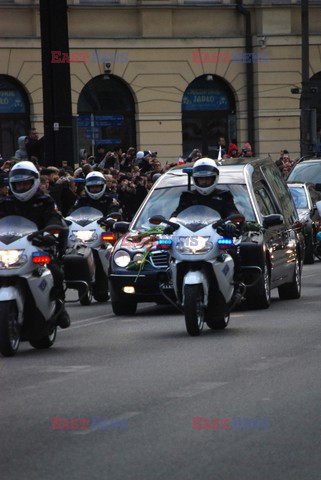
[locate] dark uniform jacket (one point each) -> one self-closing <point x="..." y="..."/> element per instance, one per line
<point x="103" y="204"/>
<point x="219" y="200"/>
<point x="40" y="209"/>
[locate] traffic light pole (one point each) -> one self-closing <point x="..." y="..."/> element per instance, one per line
<point x="58" y="127"/>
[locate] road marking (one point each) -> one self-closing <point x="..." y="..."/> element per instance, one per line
<point x="195" y="389"/>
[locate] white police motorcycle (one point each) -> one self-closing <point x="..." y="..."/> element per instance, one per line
<point x="28" y="309"/>
<point x="201" y="267"/>
<point x="87" y="255"/>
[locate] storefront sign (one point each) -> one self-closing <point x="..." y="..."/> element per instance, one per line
<point x="11" y="101"/>
<point x="205" y="99"/>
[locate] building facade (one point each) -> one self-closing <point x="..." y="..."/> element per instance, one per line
<point x="166" y="75"/>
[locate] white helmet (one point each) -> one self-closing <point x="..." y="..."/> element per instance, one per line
<point x="205" y="168"/>
<point x="92" y="180"/>
<point x="23" y="172"/>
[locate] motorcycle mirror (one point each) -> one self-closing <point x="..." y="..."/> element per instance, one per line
<point x="115" y="216"/>
<point x="237" y="218"/>
<point x="272" y="220"/>
<point x="121" y="227"/>
<point x="156" y="219"/>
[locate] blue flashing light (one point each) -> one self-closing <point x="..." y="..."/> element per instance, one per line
<point x="188" y="170"/>
<point x="225" y="242"/>
<point x="164" y="241"/>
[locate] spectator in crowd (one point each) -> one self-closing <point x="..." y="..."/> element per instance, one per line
<point x="44" y="184"/>
<point x="100" y="153"/>
<point x="146" y="163"/>
<point x="247" y="150"/>
<point x="3" y="185"/>
<point x="126" y="195"/>
<point x="220" y="149"/>
<point x="34" y="145"/>
<point x="233" y="151"/>
<point x="21" y="153"/>
<point x="7" y="165"/>
<point x="195" y="154"/>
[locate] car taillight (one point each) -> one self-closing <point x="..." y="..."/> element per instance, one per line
<point x="40" y="257"/>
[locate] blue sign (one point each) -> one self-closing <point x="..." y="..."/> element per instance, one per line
<point x="114" y="141"/>
<point x="205" y="99"/>
<point x="109" y="120"/>
<point x="11" y="101"/>
<point x="83" y="121"/>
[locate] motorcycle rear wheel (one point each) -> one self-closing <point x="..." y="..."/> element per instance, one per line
<point x="194" y="309"/>
<point x="85" y="298"/>
<point x="45" y="342"/>
<point x="9" y="328"/>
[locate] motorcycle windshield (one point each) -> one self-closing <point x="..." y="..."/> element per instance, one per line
<point x="14" y="227"/>
<point x="198" y="216"/>
<point x="85" y="215"/>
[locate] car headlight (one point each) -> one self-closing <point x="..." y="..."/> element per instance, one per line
<point x="194" y="245"/>
<point x="122" y="258"/>
<point x="84" y="235"/>
<point x="12" y="259"/>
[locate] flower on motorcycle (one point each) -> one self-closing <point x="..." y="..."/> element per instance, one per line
<point x="83" y="235"/>
<point x="12" y="258"/>
<point x="194" y="245"/>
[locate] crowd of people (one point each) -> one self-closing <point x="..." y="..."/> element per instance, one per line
<point x="129" y="175"/>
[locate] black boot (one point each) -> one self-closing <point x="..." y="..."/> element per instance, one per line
<point x="63" y="320"/>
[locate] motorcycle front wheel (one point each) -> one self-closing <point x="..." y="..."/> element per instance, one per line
<point x="9" y="329"/>
<point x="218" y="323"/>
<point x="194" y="309"/>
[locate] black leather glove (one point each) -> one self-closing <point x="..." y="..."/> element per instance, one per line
<point x="44" y="241"/>
<point x="230" y="230"/>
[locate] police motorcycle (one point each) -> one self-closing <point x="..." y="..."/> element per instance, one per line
<point x="28" y="308"/>
<point x="87" y="255"/>
<point x="201" y="267"/>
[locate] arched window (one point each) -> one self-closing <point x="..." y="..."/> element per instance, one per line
<point x="208" y="112"/>
<point x="14" y="115"/>
<point x="106" y="114"/>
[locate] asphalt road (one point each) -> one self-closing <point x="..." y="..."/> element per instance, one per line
<point x="260" y="378"/>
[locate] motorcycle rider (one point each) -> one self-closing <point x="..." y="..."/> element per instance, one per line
<point x="205" y="176"/>
<point x="96" y="195"/>
<point x="27" y="201"/>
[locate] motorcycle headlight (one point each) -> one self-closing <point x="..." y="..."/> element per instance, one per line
<point x="12" y="259"/>
<point x="84" y="235"/>
<point x="122" y="258"/>
<point x="194" y="245"/>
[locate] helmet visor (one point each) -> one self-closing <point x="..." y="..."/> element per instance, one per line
<point x="95" y="188"/>
<point x="205" y="182"/>
<point x="21" y="175"/>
